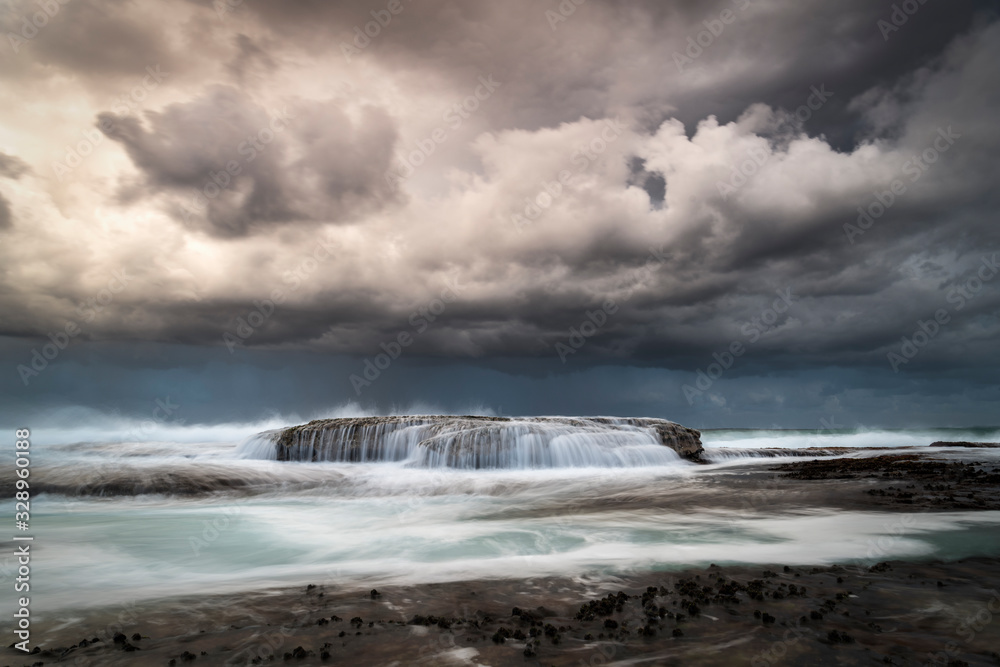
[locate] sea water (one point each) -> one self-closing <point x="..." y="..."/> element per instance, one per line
<point x="196" y="513"/>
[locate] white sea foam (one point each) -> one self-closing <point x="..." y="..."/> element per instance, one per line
<point x="135" y="520"/>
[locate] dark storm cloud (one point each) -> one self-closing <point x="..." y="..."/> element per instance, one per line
<point x="250" y="57"/>
<point x="99" y="38"/>
<point x="229" y="161"/>
<point x="209" y="387"/>
<point x="839" y="46"/>
<point x="609" y="53"/>
<point x="688" y="266"/>
<point x="11" y="167"/>
<point x="5" y="215"/>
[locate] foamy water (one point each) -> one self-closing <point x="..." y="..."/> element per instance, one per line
<point x="140" y="520"/>
<point x="799" y="439"/>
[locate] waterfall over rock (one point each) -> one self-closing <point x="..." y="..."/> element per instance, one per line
<point x="482" y="442"/>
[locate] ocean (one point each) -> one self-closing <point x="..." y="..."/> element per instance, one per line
<point x="202" y="510"/>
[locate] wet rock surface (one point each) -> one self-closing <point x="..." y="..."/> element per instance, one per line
<point x="918" y="480"/>
<point x="885" y="613"/>
<point x="361" y="438"/>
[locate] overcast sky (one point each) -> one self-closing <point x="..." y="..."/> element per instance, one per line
<point x="731" y="213"/>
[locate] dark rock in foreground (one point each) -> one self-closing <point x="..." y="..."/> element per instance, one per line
<point x="856" y="613"/>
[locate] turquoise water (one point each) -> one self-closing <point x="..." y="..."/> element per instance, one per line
<point x="253" y="524"/>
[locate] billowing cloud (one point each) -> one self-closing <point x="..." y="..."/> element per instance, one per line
<point x="674" y="178"/>
<point x="234" y="166"/>
<point x="10" y="167"/>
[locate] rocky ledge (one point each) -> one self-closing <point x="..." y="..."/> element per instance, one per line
<point x="390" y="438"/>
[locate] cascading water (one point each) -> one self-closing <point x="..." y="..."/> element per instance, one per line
<point x="467" y="498"/>
<point x="475" y="443"/>
<point x="262" y="446"/>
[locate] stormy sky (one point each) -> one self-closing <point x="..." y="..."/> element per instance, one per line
<point x="727" y="213"/>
